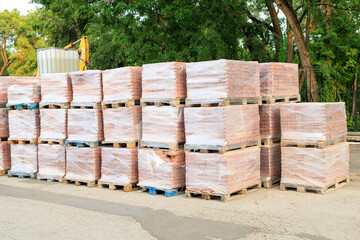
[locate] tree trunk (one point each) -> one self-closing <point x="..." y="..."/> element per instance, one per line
<point x="355" y="88"/>
<point x="290" y="41"/>
<point x="277" y="29"/>
<point x="305" y="57"/>
<point x="4" y="57"/>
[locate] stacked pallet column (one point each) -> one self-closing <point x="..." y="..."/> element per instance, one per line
<point x="122" y="128"/>
<point x="314" y="151"/>
<point x="24" y="129"/>
<point x="5" y="162"/>
<point x="278" y="85"/>
<point x="161" y="156"/>
<point x="85" y="129"/>
<point x="56" y="95"/>
<point x="222" y="129"/>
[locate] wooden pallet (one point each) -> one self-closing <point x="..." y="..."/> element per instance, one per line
<point x="222" y="102"/>
<point x="159" y="102"/>
<point x="50" y="178"/>
<point x="114" y="186"/>
<point x="45" y="105"/>
<point x="270" y="141"/>
<point x="167" y="192"/>
<point x="51" y="141"/>
<point x="270" y="183"/>
<point x="22" y="106"/>
<point x="75" y="143"/>
<point x="162" y="146"/>
<point x="318" y="190"/>
<point x="311" y="144"/>
<point x="12" y="173"/>
<point x="22" y="141"/>
<point x="283" y="99"/>
<point x="94" y="105"/>
<point x="3" y="172"/>
<point x="219" y="196"/>
<point x="120" y="103"/>
<point x="221" y="149"/>
<point x="77" y="182"/>
<point x="115" y="144"/>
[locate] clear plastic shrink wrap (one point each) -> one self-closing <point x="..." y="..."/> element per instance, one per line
<point x="161" y="169"/>
<point x="164" y="80"/>
<point x="53" y="123"/>
<point x="86" y="86"/>
<point x="24" y="94"/>
<point x="52" y="160"/>
<point x="83" y="163"/>
<point x="24" y="124"/>
<point x="222" y="126"/>
<point x="222" y="79"/>
<point x="279" y="79"/>
<point x="270" y="162"/>
<point x="56" y="88"/>
<point x="313" y="121"/>
<point x="315" y="167"/>
<point x="4" y="123"/>
<point x="85" y="125"/>
<point x="119" y="165"/>
<point x="270" y="121"/>
<point x="122" y="83"/>
<point x="222" y="173"/>
<point x="5" y="162"/>
<point x="163" y="124"/>
<point x="24" y="158"/>
<point x="122" y="124"/>
<point x="6" y="82"/>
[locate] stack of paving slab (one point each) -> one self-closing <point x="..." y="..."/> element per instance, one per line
<point x="24" y="129"/>
<point x="314" y="151"/>
<point x="122" y="127"/>
<point x="278" y="85"/>
<point x="84" y="128"/>
<point x="161" y="156"/>
<point x="56" y="95"/>
<point x="222" y="129"/>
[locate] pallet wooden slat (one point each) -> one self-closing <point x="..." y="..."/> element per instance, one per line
<point x="220" y="196"/>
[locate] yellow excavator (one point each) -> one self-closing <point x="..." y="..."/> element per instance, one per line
<point x="83" y="53"/>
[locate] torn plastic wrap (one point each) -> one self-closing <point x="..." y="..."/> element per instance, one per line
<point x="56" y="88"/>
<point x="270" y="121"/>
<point x="161" y="169"/>
<point x="85" y="125"/>
<point x="221" y="126"/>
<point x="164" y="80"/>
<point x="313" y="121"/>
<point x="53" y="123"/>
<point x="122" y="124"/>
<point x="270" y="162"/>
<point x="122" y="83"/>
<point x="163" y="124"/>
<point x="223" y="173"/>
<point x="86" y="86"/>
<point x="315" y="167"/>
<point x="119" y="165"/>
<point x="83" y="163"/>
<point x="24" y="94"/>
<point x="222" y="79"/>
<point x="279" y="79"/>
<point x="24" y="124"/>
<point x="5" y="162"/>
<point x="6" y="82"/>
<point x="4" y="123"/>
<point x="52" y="160"/>
<point x="24" y="158"/>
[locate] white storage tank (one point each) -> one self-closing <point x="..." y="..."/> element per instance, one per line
<point x="57" y="60"/>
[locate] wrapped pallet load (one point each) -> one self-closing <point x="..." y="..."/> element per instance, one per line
<point x="86" y="88"/>
<point x="5" y="161"/>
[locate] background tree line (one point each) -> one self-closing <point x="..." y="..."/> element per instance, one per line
<point x="314" y="34"/>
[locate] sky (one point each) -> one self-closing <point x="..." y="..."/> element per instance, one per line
<point x="22" y="5"/>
